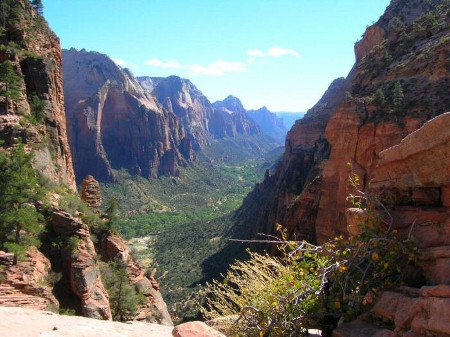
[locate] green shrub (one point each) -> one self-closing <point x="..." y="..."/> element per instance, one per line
<point x="311" y="286"/>
<point x="37" y="107"/>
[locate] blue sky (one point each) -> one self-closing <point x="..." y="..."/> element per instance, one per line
<point x="279" y="53"/>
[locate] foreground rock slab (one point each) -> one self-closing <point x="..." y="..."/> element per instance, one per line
<point x="46" y="324"/>
<point x="195" y="329"/>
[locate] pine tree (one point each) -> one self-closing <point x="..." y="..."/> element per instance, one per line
<point x="20" y="223"/>
<point x="111" y="214"/>
<point x="378" y="97"/>
<point x="398" y="96"/>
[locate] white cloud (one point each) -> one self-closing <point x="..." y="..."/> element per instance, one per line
<point x="163" y="64"/>
<point x="273" y="52"/>
<point x="256" y="53"/>
<point x="217" y="68"/>
<point x="124" y="64"/>
<point x="278" y="52"/>
<point x="119" y="62"/>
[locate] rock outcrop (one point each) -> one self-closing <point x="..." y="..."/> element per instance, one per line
<point x="270" y="123"/>
<point x="90" y="192"/>
<point x="26" y="284"/>
<point x="154" y="309"/>
<point x="195" y="329"/>
<point x="79" y="265"/>
<point x="355" y="121"/>
<point x="114" y="123"/>
<point x="414" y="176"/>
<point x="64" y="271"/>
<point x="36" y="115"/>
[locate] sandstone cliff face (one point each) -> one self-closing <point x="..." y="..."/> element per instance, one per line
<point x="414" y="176"/>
<point x="270" y="123"/>
<point x="182" y="98"/>
<point x="35" y="53"/>
<point x="114" y="123"/>
<point x="202" y="120"/>
<point x="356" y="126"/>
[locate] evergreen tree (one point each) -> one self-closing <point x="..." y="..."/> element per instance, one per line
<point x="20" y="223"/>
<point x="38" y="6"/>
<point x="111" y="214"/>
<point x="398" y="96"/>
<point x="123" y="297"/>
<point x="378" y="97"/>
<point x="11" y="82"/>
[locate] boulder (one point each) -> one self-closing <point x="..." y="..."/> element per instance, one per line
<point x="195" y="329"/>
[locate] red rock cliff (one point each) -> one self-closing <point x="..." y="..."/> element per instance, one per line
<point x="405" y="49"/>
<point x="35" y="53"/>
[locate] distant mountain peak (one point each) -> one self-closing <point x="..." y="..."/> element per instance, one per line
<point x="231" y="104"/>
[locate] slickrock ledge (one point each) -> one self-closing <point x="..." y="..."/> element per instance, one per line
<point x="47" y="324"/>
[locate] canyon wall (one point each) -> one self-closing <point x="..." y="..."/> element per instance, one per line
<point x="399" y="81"/>
<point x="116" y="124"/>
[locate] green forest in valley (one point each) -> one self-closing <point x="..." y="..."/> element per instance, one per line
<point x="173" y="224"/>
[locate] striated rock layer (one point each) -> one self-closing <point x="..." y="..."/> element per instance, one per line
<point x="35" y="53"/>
<point x="27" y="283"/>
<point x="90" y="192"/>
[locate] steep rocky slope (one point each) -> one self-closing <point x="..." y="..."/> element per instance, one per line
<point x="270" y="123"/>
<point x="114" y="123"/>
<point x="182" y="98"/>
<point x="36" y="115"/>
<point x="400" y="80"/>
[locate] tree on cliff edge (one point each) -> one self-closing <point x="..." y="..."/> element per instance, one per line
<point x="20" y="223"/>
<point x="123" y="297"/>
